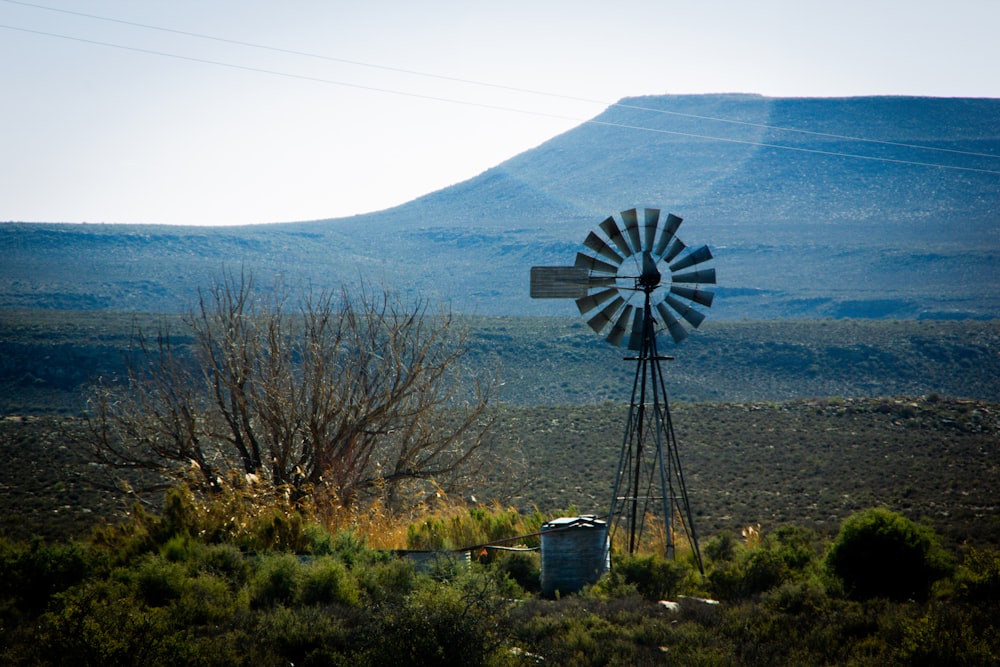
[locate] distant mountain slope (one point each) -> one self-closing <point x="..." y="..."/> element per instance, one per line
<point x="798" y="231"/>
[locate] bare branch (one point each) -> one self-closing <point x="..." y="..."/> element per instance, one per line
<point x="349" y="393"/>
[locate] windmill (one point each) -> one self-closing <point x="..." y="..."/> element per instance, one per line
<point x="633" y="279"/>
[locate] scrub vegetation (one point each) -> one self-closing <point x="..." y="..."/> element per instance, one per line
<point x="185" y="586"/>
<point x="857" y="528"/>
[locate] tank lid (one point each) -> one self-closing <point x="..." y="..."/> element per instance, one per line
<point x="584" y="521"/>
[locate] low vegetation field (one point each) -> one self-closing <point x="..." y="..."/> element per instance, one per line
<point x="804" y="462"/>
<point x="785" y="430"/>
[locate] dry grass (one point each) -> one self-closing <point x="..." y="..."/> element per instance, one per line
<point x="809" y="463"/>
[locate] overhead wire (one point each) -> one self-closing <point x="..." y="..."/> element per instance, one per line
<point x="291" y="75"/>
<point x="474" y="82"/>
<point x="495" y="85"/>
<point x="592" y="121"/>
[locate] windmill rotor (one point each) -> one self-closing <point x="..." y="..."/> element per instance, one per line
<point x="632" y="256"/>
<point x="632" y="278"/>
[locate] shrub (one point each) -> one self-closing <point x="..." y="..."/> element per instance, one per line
<point x="326" y="581"/>
<point x="978" y="578"/>
<point x="788" y="554"/>
<point x="384" y="581"/>
<point x="879" y="553"/>
<point x="300" y="636"/>
<point x="523" y="567"/>
<point x="653" y="576"/>
<point x="441" y="624"/>
<point x="276" y="580"/>
<point x="159" y="581"/>
<point x="204" y="600"/>
<point x="722" y="547"/>
<point x="950" y="636"/>
<point x="226" y="561"/>
<point x="101" y="623"/>
<point x="31" y="574"/>
<point x="350" y="548"/>
<point x="755" y="571"/>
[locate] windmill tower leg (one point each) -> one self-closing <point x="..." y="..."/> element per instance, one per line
<point x="649" y="467"/>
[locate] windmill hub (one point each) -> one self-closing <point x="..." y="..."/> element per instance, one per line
<point x="650" y="278"/>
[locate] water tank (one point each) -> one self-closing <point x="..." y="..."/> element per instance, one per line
<point x="574" y="553"/>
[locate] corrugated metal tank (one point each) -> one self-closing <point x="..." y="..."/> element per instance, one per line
<point x="574" y="553"/>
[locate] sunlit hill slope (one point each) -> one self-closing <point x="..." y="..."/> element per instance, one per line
<point x="885" y="207"/>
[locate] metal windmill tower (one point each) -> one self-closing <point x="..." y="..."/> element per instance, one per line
<point x="638" y="278"/>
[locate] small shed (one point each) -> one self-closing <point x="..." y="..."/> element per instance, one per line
<point x="575" y="552"/>
<point x="427" y="561"/>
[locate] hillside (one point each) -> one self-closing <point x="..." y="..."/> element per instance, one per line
<point x="800" y="231"/>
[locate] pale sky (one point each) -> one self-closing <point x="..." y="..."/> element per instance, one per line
<point x="115" y="116"/>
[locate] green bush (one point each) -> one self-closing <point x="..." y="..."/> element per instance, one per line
<point x="102" y="623"/>
<point x="326" y="581"/>
<point x="950" y="636"/>
<point x="302" y="636"/>
<point x="879" y="553"/>
<point x="722" y="547"/>
<point x="739" y="571"/>
<point x="280" y="530"/>
<point x="440" y="624"/>
<point x="129" y="599"/>
<point x="653" y="576"/>
<point x="225" y="561"/>
<point x="158" y="581"/>
<point x="386" y="580"/>
<point x="523" y="567"/>
<point x="350" y="548"/>
<point x="31" y="573"/>
<point x="978" y="577"/>
<point x="205" y="600"/>
<point x="276" y="580"/>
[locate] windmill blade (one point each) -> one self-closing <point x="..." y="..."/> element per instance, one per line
<point x="676" y="329"/>
<point x="669" y="229"/>
<point x="675" y="249"/>
<point x="588" y="303"/>
<point x="603" y="318"/>
<point x="597" y="244"/>
<point x="558" y="282"/>
<point x="631" y="220"/>
<point x="649" y="229"/>
<point x="686" y="311"/>
<point x="704" y="276"/>
<point x="594" y="264"/>
<point x="610" y="227"/>
<point x="638" y="327"/>
<point x="696" y="256"/>
<point x="694" y="294"/>
<point x="621" y="326"/>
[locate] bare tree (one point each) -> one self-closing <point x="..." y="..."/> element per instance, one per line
<point x="346" y="394"/>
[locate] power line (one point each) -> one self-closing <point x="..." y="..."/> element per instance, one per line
<point x="591" y="121"/>
<point x="290" y="75"/>
<point x="517" y="89"/>
<point x="800" y="149"/>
